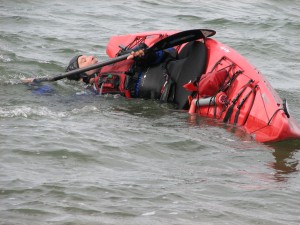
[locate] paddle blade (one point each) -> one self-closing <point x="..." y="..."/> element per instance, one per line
<point x="208" y="33"/>
<point x="181" y="37"/>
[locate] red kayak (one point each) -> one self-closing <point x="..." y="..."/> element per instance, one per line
<point x="209" y="79"/>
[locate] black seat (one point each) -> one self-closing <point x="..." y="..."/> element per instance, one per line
<point x="191" y="63"/>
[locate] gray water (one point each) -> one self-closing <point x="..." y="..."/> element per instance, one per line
<point x="69" y="157"/>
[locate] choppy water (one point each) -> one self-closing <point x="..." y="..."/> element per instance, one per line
<point x="72" y="158"/>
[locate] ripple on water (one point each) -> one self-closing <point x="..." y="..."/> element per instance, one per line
<point x="72" y="158"/>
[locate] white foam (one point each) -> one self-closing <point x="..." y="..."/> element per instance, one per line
<point x="26" y="111"/>
<point x="5" y="59"/>
<point x="149" y="213"/>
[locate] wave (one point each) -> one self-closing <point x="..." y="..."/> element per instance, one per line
<point x="27" y="111"/>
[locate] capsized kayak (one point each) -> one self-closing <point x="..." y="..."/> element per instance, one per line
<point x="211" y="80"/>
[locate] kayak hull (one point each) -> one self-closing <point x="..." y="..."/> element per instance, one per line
<point x="262" y="114"/>
<point x="248" y="101"/>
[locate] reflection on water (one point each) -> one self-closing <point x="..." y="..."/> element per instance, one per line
<point x="195" y="120"/>
<point x="285" y="161"/>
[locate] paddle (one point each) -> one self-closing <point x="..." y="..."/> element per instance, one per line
<point x="168" y="42"/>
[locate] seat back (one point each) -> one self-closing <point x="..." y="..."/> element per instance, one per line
<point x="191" y="63"/>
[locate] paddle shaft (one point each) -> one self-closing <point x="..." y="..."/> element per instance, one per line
<point x="168" y="42"/>
<point x="82" y="70"/>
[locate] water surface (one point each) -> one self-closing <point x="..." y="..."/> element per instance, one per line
<point x="68" y="157"/>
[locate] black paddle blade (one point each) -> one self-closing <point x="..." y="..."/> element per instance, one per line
<point x="208" y="33"/>
<point x="180" y="38"/>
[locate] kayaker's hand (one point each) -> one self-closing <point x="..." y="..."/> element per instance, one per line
<point x="92" y="81"/>
<point x="139" y="53"/>
<point x="27" y="80"/>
